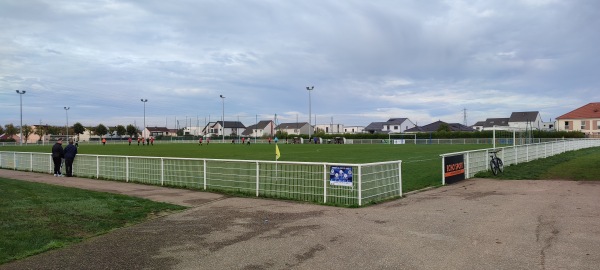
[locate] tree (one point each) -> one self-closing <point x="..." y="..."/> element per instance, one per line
<point x="11" y="130"/>
<point x="281" y="134"/>
<point x="1" y="130"/>
<point x="131" y="130"/>
<point x="78" y="129"/>
<point x="180" y="132"/>
<point x="101" y="130"/>
<point x="53" y="130"/>
<point x="111" y="131"/>
<point x="121" y="130"/>
<point x="444" y="127"/>
<point x="27" y="130"/>
<point x="39" y="131"/>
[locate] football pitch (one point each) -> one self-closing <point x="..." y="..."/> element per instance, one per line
<point x="421" y="164"/>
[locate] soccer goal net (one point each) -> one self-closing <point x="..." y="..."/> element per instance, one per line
<point x="402" y="138"/>
<point x="510" y="136"/>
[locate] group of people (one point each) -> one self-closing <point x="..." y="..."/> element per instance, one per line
<point x="149" y="141"/>
<point x="200" y="141"/>
<point x="67" y="154"/>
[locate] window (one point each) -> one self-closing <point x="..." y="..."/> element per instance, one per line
<point x="566" y="124"/>
<point x="597" y="124"/>
<point x="396" y="127"/>
<point x="583" y="125"/>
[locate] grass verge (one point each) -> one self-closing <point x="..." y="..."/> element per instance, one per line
<point x="573" y="165"/>
<point x="36" y="217"/>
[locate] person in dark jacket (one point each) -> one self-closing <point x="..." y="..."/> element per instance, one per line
<point x="70" y="153"/>
<point x="57" y="155"/>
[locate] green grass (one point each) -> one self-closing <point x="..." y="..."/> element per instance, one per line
<point x="38" y="217"/>
<point x="421" y="165"/>
<point x="573" y="165"/>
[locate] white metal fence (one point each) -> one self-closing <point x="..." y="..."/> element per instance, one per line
<point x="303" y="181"/>
<point x="479" y="160"/>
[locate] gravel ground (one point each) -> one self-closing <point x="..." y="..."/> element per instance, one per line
<point x="473" y="224"/>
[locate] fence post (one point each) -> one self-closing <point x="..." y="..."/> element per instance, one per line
<point x="443" y="170"/>
<point x="325" y="183"/>
<point x="204" y="174"/>
<point x="97" y="167"/>
<point x="467" y="167"/>
<point x="127" y="169"/>
<point x="15" y="161"/>
<point x="400" y="177"/>
<point x="162" y="171"/>
<point x="31" y="163"/>
<point x="359" y="185"/>
<point x="527" y="153"/>
<point x="257" y="178"/>
<point x="50" y="164"/>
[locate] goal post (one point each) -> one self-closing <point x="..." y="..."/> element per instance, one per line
<point x="511" y="136"/>
<point x="401" y="138"/>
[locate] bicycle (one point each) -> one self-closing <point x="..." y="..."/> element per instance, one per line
<point x="496" y="164"/>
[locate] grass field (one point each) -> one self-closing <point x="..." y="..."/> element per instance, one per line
<point x="573" y="165"/>
<point x="421" y="163"/>
<point x="38" y="217"/>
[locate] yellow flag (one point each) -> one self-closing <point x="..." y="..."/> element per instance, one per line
<point x="277" y="154"/>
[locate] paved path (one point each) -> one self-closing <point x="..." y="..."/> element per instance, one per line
<point x="474" y="224"/>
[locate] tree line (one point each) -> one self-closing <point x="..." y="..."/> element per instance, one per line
<point x="10" y="130"/>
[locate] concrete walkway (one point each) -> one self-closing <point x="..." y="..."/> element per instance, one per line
<point x="474" y="224"/>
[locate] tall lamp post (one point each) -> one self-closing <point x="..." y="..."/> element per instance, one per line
<point x="223" y="118"/>
<point x="309" y="107"/>
<point x="67" y="113"/>
<point x="21" y="93"/>
<point x="144" y="100"/>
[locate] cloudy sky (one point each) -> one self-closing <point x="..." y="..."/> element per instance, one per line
<point x="367" y="60"/>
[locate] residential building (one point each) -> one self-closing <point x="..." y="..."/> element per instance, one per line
<point x="393" y="125"/>
<point x="525" y="120"/>
<point x="585" y="119"/>
<point x="478" y="126"/>
<point x="231" y="128"/>
<point x="156" y="131"/>
<point x="293" y="128"/>
<point x="330" y="128"/>
<point x="260" y="129"/>
<point x="435" y="126"/>
<point x="496" y="123"/>
<point x="354" y="129"/>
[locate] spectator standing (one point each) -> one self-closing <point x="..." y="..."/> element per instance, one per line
<point x="70" y="153"/>
<point x="57" y="154"/>
<point x="129" y="140"/>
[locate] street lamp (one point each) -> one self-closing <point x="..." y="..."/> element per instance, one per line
<point x="309" y="105"/>
<point x="67" y="113"/>
<point x="144" y="100"/>
<point x="223" y="117"/>
<point x="21" y="93"/>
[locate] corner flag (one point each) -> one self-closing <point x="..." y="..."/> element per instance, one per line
<point x="277" y="154"/>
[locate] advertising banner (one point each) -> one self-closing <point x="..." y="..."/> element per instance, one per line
<point x="454" y="169"/>
<point x="340" y="176"/>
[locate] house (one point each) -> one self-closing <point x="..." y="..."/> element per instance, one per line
<point x="330" y="128"/>
<point x="585" y="119"/>
<point x="294" y="128"/>
<point x="496" y="123"/>
<point x="155" y="131"/>
<point x="393" y="125"/>
<point x="435" y="126"/>
<point x="354" y="129"/>
<point x="260" y="129"/>
<point x="525" y="120"/>
<point x="220" y="128"/>
<point x="478" y="126"/>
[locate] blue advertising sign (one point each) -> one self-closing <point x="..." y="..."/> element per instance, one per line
<point x="340" y="176"/>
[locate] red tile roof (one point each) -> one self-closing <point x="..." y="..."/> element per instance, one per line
<point x="591" y="110"/>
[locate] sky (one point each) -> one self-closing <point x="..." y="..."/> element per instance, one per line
<point x="367" y="60"/>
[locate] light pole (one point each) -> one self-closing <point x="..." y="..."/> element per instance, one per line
<point x="223" y="118"/>
<point x="309" y="105"/>
<point x="21" y="93"/>
<point x="67" y="113"/>
<point x="144" y="100"/>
